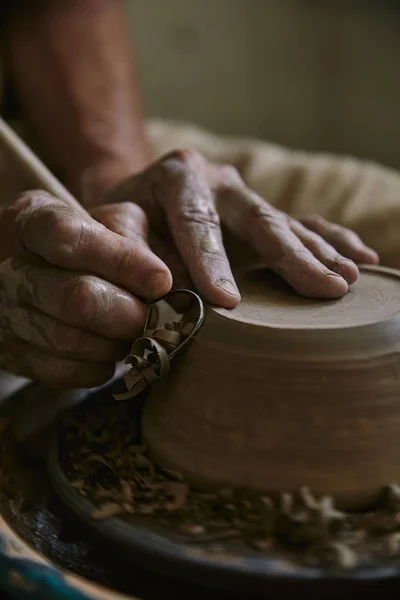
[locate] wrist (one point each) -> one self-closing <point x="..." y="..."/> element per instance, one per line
<point x="100" y="177"/>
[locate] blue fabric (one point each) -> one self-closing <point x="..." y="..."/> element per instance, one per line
<point x="42" y="582"/>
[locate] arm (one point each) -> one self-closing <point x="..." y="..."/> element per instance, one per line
<point x="74" y="76"/>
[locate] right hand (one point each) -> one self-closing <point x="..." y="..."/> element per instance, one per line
<point x="72" y="291"/>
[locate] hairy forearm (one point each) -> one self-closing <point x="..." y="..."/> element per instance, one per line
<point x="74" y="76"/>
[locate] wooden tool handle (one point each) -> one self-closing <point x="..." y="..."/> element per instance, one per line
<point x="32" y="165"/>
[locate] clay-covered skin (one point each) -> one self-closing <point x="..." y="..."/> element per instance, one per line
<point x="70" y="289"/>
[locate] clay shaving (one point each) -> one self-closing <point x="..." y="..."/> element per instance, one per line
<point x="150" y="356"/>
<point x="108" y="465"/>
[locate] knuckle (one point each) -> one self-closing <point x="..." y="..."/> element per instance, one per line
<point x="315" y="221"/>
<point x="31" y="200"/>
<point x="25" y="206"/>
<point x="130" y="208"/>
<point x="319" y="247"/>
<point x="67" y="340"/>
<point x="60" y="227"/>
<point x="229" y="171"/>
<point x="135" y="214"/>
<point x="338" y="260"/>
<point x="121" y="218"/>
<point x="179" y="163"/>
<point x="200" y="213"/>
<point x="202" y="216"/>
<point x="185" y="156"/>
<point x="262" y="211"/>
<point x="80" y="301"/>
<point x="37" y="196"/>
<point x="55" y="221"/>
<point x="228" y="178"/>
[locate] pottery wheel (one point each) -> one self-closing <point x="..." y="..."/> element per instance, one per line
<point x="224" y="564"/>
<point x="229" y="562"/>
<point x="217" y="563"/>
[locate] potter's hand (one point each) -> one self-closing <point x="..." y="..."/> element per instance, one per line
<point x="69" y="290"/>
<point x="187" y="199"/>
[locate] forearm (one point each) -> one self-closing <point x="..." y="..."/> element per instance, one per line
<point x="74" y="75"/>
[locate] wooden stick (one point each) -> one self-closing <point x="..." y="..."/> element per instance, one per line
<point x="33" y="166"/>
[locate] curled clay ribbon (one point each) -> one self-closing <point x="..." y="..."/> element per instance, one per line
<point x="151" y="354"/>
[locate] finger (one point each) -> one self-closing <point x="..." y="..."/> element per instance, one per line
<point x="344" y="240"/>
<point x="268" y="231"/>
<point x="325" y="253"/>
<point x="129" y="220"/>
<point x="166" y="250"/>
<point x="77" y="299"/>
<point x="126" y="219"/>
<point x="51" y="229"/>
<point x="195" y="227"/>
<point x="23" y="359"/>
<point x="58" y="339"/>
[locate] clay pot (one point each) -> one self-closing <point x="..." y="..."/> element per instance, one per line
<point x="285" y="391"/>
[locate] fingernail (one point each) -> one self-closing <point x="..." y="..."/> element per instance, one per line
<point x="347" y="269"/>
<point x="333" y="275"/>
<point x="372" y="256"/>
<point x="158" y="283"/>
<point x="343" y="262"/>
<point x="228" y="286"/>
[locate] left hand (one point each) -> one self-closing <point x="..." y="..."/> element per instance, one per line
<point x="188" y="199"/>
<point x="72" y="293"/>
